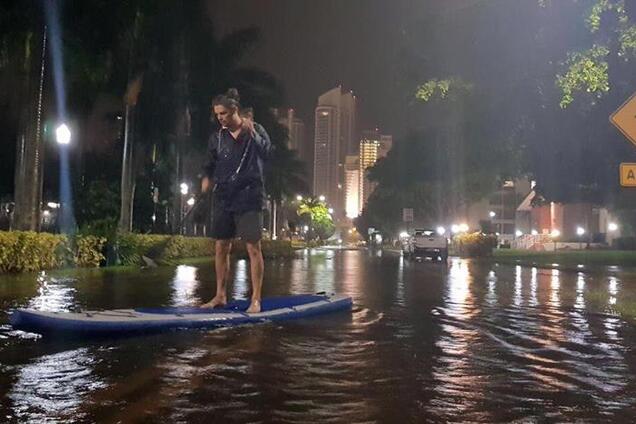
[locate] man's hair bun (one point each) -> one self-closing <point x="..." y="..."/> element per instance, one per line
<point x="233" y="94"/>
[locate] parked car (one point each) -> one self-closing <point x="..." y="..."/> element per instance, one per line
<point x="426" y="243"/>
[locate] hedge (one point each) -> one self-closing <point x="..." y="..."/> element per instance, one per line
<point x="474" y="245"/>
<point x="22" y="251"/>
<point x="165" y="249"/>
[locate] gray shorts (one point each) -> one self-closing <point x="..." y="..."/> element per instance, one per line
<point x="227" y="225"/>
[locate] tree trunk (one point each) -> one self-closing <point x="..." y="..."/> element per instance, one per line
<point x="182" y="124"/>
<point x="29" y="148"/>
<point x="127" y="190"/>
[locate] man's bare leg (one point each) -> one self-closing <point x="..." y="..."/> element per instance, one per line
<point x="257" y="267"/>
<point x="222" y="250"/>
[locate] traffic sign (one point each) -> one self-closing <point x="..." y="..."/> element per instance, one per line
<point x="625" y="119"/>
<point x="628" y="174"/>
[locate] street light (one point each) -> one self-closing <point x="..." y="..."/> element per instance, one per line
<point x="492" y="214"/>
<point x="441" y="230"/>
<point x="299" y="198"/>
<point x="190" y="201"/>
<point x="330" y="210"/>
<point x="579" y="232"/>
<point x="518" y="233"/>
<point x="322" y="198"/>
<point x="612" y="226"/>
<point x="534" y="232"/>
<point x="63" y="134"/>
<point x="184" y="188"/>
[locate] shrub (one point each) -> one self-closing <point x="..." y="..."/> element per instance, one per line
<point x="474" y="244"/>
<point x="132" y="247"/>
<point x="625" y="243"/>
<point x="23" y="251"/>
<point x="88" y="251"/>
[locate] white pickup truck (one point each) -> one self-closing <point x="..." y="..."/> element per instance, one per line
<point x="426" y="244"/>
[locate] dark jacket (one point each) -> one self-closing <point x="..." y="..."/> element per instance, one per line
<point x="243" y="191"/>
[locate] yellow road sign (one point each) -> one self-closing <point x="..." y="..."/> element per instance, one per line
<point x="628" y="174"/>
<point x="625" y="119"/>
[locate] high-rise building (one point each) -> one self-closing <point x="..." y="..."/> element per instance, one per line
<point x="333" y="140"/>
<point x="352" y="186"/>
<point x="295" y="127"/>
<point x="373" y="146"/>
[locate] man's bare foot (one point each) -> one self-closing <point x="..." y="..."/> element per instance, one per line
<point x="255" y="307"/>
<point x="215" y="302"/>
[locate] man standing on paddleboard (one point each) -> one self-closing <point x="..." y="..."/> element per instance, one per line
<point x="234" y="171"/>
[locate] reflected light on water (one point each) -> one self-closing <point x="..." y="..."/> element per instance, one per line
<point x="533" y="287"/>
<point x="54" y="295"/>
<point x="52" y="388"/>
<point x="555" y="283"/>
<point x="580" y="288"/>
<point x="613" y="290"/>
<point x="518" y="286"/>
<point x="184" y="285"/>
<point x="459" y="295"/>
<point x="241" y="283"/>
<point x="491" y="297"/>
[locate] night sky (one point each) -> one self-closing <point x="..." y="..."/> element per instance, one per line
<point x="312" y="46"/>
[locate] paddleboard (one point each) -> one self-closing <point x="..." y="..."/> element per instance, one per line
<point x="143" y="320"/>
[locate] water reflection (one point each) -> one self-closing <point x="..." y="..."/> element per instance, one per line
<point x="555" y="284"/>
<point x="580" y="289"/>
<point x="613" y="290"/>
<point x="470" y="344"/>
<point x="184" y="285"/>
<point x="241" y="284"/>
<point x="54" y="295"/>
<point x="53" y="387"/>
<point x="533" y="287"/>
<point x="518" y="287"/>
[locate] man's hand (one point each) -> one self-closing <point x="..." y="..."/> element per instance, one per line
<point x="248" y="126"/>
<point x="205" y="185"/>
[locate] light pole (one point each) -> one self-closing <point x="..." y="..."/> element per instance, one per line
<point x="580" y="231"/>
<point x="184" y="192"/>
<point x="63" y="136"/>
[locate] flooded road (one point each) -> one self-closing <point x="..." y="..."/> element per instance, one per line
<point x="426" y="342"/>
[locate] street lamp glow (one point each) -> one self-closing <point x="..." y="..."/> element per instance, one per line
<point x="404" y="234"/>
<point x="580" y="231"/>
<point x="441" y="230"/>
<point x="330" y="210"/>
<point x="306" y="228"/>
<point x="53" y="205"/>
<point x="322" y="198"/>
<point x="534" y="232"/>
<point x="299" y="198"/>
<point x="612" y="226"/>
<point x="190" y="201"/>
<point x="463" y="228"/>
<point x="518" y="233"/>
<point x="492" y="214"/>
<point x="555" y="233"/>
<point x="184" y="188"/>
<point x="63" y="134"/>
<point x="455" y="228"/>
